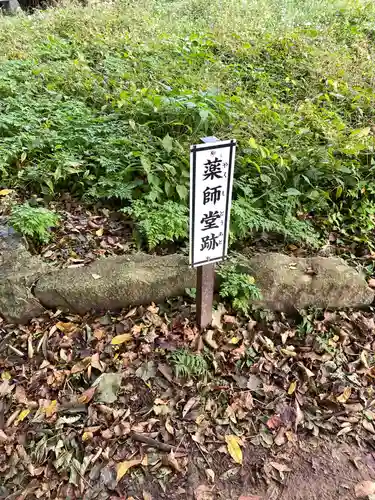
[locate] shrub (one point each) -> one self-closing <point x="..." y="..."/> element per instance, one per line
<point x="34" y="222"/>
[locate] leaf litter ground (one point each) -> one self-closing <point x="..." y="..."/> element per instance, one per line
<point x="91" y="407"/>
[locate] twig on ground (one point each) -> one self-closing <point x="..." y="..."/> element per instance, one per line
<point x="3" y="342"/>
<point x="17" y="351"/>
<point x="201" y="452"/>
<point x="151" y="442"/>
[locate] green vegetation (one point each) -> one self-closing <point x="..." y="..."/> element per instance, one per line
<point x="34" y="222"/>
<point x="158" y="223"/>
<point x="238" y="287"/>
<point x="248" y="359"/>
<point x="103" y="102"/>
<point x="187" y="364"/>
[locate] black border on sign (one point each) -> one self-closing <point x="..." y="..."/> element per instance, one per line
<point x="229" y="184"/>
<point x="228" y="144"/>
<point x="212" y="146"/>
<point x="194" y="151"/>
<point x="211" y="261"/>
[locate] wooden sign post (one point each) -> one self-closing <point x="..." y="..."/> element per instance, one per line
<point x="211" y="182"/>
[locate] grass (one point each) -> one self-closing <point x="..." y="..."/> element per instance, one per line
<point x="103" y="101"/>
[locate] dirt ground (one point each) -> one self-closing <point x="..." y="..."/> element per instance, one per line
<point x="324" y="472"/>
<point x="311" y="470"/>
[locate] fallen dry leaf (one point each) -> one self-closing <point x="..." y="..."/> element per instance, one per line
<point x="171" y="461"/>
<point x="123" y="467"/>
<point x="216" y="317"/>
<point x="51" y="408"/>
<point x="80" y="366"/>
<point x="96" y="363"/>
<point x="280" y="467"/>
<point x="66" y="327"/>
<point x="230" y="320"/>
<point x="234" y="449"/>
<point x="299" y="416"/>
<point x="131" y="313"/>
<point x="188" y="406"/>
<point x="120" y="339"/>
<point x="23" y="415"/>
<point x="5" y="388"/>
<point x="99" y="333"/>
<point x="169" y="427"/>
<point x="208" y="337"/>
<point x="280" y="437"/>
<point x="368" y="426"/>
<point x="5" y="192"/>
<point x="274" y="422"/>
<point x="204" y="492"/>
<point x="20" y="395"/>
<point x="87" y="435"/>
<point x="166" y="370"/>
<point x="87" y="395"/>
<point x="364" y="489"/>
<point x="343" y="398"/>
<point x="210" y="474"/>
<point x="292" y="388"/>
<point x="3" y="437"/>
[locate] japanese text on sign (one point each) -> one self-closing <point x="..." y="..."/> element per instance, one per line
<point x="211" y="179"/>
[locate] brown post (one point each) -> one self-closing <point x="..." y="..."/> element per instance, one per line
<point x="205" y="294"/>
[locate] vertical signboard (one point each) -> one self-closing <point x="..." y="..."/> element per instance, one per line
<point x="211" y="182"/>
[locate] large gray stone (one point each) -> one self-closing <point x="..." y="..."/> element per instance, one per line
<point x="19" y="271"/>
<point x="290" y="283"/>
<point x="116" y="282"/>
<point x="11" y="6"/>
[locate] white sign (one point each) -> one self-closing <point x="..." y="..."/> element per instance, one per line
<point x="211" y="181"/>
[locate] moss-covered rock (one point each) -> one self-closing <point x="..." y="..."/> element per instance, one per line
<point x="19" y="271"/>
<point x="290" y="283"/>
<point x="116" y="282"/>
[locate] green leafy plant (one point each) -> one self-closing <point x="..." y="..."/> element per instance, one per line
<point x="237" y="286"/>
<point x="191" y="292"/>
<point x="187" y="364"/>
<point x="94" y="104"/>
<point x="272" y="213"/>
<point x="305" y="327"/>
<point x="248" y="359"/>
<point x="34" y="222"/>
<point x="159" y="223"/>
<point x="326" y="342"/>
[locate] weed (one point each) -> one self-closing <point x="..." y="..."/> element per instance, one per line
<point x="34" y="222"/>
<point x="237" y="286"/>
<point x="187" y="364"/>
<point x="248" y="359"/>
<point x="305" y="327"/>
<point x="326" y="342"/>
<point x="191" y="292"/>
